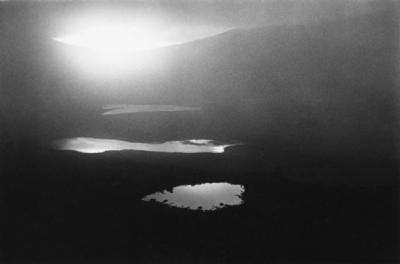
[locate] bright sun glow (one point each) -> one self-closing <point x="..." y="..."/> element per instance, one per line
<point x="116" y="43"/>
<point x="116" y="37"/>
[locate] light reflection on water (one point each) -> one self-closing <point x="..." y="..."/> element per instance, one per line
<point x="100" y="145"/>
<point x="127" y="109"/>
<point x="205" y="197"/>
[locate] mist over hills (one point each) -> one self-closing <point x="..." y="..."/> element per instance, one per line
<point x="329" y="86"/>
<point x="321" y="89"/>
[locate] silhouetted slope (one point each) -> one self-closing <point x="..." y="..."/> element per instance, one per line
<point x="328" y="85"/>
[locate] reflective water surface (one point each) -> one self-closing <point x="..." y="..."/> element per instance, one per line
<point x="205" y="197"/>
<point x="127" y="109"/>
<point x="100" y="145"/>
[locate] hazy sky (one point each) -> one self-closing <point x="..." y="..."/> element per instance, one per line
<point x="222" y="13"/>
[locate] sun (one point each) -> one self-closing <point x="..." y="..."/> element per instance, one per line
<point x="111" y="45"/>
<point x="116" y="37"/>
<point x="115" y="44"/>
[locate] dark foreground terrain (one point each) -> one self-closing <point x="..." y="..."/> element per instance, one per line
<point x="314" y="104"/>
<point x="69" y="206"/>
